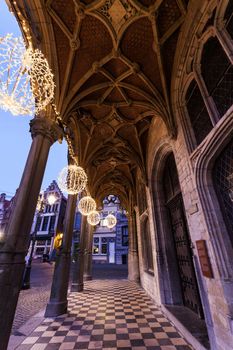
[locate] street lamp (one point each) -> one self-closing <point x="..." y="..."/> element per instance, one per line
<point x="51" y="199"/>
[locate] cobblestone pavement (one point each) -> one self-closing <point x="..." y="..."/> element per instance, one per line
<point x="34" y="299"/>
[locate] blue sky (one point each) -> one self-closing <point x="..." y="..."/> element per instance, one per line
<point x="15" y="139"/>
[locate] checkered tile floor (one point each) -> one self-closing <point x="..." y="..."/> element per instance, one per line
<point x="109" y="314"/>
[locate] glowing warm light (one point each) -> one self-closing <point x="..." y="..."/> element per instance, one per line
<point x="111" y="221"/>
<point x="51" y="199"/>
<point x="86" y="205"/>
<point x="72" y="179"/>
<point x="26" y="81"/>
<point x="93" y="218"/>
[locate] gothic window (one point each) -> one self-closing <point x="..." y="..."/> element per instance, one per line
<point x="217" y="72"/>
<point x="198" y="114"/>
<point x="146" y="246"/>
<point x="223" y="181"/>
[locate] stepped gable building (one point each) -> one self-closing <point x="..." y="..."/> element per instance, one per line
<point x="145" y="88"/>
<point x="48" y="222"/>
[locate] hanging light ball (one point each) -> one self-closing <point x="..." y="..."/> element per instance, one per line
<point x="111" y="221"/>
<point x="86" y="205"/>
<point x="93" y="218"/>
<point x="72" y="179"/>
<point x="26" y="81"/>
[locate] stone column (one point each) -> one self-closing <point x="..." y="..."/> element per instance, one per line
<point x="133" y="261"/>
<point x="88" y="256"/>
<point x="58" y="302"/>
<point x="78" y="265"/>
<point x="12" y="253"/>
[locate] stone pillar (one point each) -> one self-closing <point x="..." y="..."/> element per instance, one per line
<point x="78" y="265"/>
<point x="58" y="302"/>
<point x="88" y="256"/>
<point x="133" y="261"/>
<point x="12" y="253"/>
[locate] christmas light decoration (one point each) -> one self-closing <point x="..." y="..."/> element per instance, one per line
<point x="72" y="179"/>
<point x="26" y="81"/>
<point x="93" y="218"/>
<point x="110" y="221"/>
<point x="86" y="205"/>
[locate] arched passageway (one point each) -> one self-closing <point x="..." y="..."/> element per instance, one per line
<point x="135" y="81"/>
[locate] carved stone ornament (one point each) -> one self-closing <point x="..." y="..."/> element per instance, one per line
<point x="47" y="128"/>
<point x="118" y="12"/>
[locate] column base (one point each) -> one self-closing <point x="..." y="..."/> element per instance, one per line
<point x="87" y="278"/>
<point x="54" y="309"/>
<point x="135" y="279"/>
<point x="76" y="287"/>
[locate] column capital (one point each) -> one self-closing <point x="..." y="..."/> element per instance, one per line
<point x="47" y="128"/>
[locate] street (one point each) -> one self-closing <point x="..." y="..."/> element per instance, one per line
<point x="34" y="299"/>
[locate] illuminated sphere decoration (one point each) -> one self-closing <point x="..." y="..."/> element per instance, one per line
<point x="93" y="218"/>
<point x="111" y="221"/>
<point x="86" y="205"/>
<point x="26" y="81"/>
<point x="72" y="179"/>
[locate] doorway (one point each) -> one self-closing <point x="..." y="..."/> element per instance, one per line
<point x="180" y="238"/>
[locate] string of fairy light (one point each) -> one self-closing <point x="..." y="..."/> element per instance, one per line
<point x="27" y="87"/>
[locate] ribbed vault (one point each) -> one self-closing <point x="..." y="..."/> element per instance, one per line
<point x="113" y="62"/>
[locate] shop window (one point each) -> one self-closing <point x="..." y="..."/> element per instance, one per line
<point x="104" y="248"/>
<point x="198" y="114"/>
<point x="96" y="246"/>
<point x="125" y="237"/>
<point x="217" y="72"/>
<point x="100" y="246"/>
<point x="147" y="248"/>
<point x="223" y="181"/>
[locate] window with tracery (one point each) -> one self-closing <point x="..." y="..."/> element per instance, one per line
<point x="217" y="72"/>
<point x="198" y="114"/>
<point x="146" y="246"/>
<point x="223" y="182"/>
<point x="229" y="18"/>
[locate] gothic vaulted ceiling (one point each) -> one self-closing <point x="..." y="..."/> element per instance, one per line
<point x="113" y="62"/>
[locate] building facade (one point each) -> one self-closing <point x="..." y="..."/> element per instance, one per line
<point x="47" y="228"/>
<point x="6" y="206"/>
<point x="109" y="245"/>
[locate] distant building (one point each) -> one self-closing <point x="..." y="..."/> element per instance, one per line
<point x="6" y="206"/>
<point x="111" y="245"/>
<point x="47" y="228"/>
